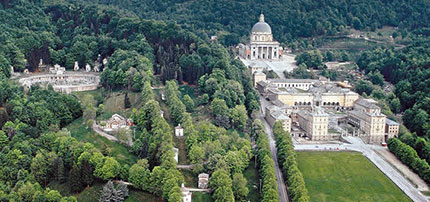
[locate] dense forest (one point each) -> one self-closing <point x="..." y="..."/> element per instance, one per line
<point x="142" y="52"/>
<point x="408" y="69"/>
<point x="290" y="19"/>
<point x="36" y="149"/>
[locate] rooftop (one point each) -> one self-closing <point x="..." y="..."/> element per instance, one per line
<point x="261" y="26"/>
<point x="391" y="122"/>
<point x="278" y="115"/>
<point x="368" y="103"/>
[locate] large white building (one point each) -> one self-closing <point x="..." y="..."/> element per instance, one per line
<point x="261" y="45"/>
<point x="315" y="123"/>
<point x="367" y="117"/>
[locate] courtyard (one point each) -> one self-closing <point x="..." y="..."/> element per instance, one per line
<point x="345" y="176"/>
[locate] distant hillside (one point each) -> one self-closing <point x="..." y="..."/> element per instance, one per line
<point x="290" y="19"/>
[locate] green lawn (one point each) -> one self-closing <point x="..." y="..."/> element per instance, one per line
<point x="82" y="134"/>
<point x="345" y="176"/>
<point x="202" y="197"/>
<point x="188" y="90"/>
<point x="251" y="175"/>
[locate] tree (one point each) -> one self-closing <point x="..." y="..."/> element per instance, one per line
<point x="110" y="169"/>
<point x="100" y="109"/>
<point x="147" y="93"/>
<point x="123" y="136"/>
<point x="110" y="194"/>
<point x="41" y="166"/>
<point x="58" y="166"/>
<point x="377" y="78"/>
<point x="221" y="184"/>
<point x="364" y="86"/>
<point x="127" y="103"/>
<point x="205" y="98"/>
<point x="86" y="168"/>
<point x="3" y="139"/>
<point x="240" y="189"/>
<point x="219" y="107"/>
<point x="312" y="59"/>
<point x="139" y="174"/>
<point x="189" y="103"/>
<point x="75" y="179"/>
<point x="239" y="117"/>
<point x="89" y="113"/>
<point x="196" y="156"/>
<point x="395" y="105"/>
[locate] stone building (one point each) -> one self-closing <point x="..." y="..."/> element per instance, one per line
<point x="257" y="77"/>
<point x="186" y="194"/>
<point x="176" y="152"/>
<point x="66" y="82"/>
<point x="302" y="84"/>
<point x="368" y="118"/>
<point x="274" y="114"/>
<point x="203" y="181"/>
<point x="315" y="123"/>
<point x="261" y="45"/>
<point x="391" y="129"/>
<point x="179" y="131"/>
<point x="117" y="122"/>
<point x="325" y="95"/>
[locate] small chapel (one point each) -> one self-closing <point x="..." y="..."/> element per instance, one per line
<point x="261" y="45"/>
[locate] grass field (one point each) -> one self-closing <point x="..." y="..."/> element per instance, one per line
<point x="345" y="176"/>
<point x="202" y="197"/>
<point x="251" y="175"/>
<point x="83" y="134"/>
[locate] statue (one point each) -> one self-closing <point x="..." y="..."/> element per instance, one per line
<point x="40" y="62"/>
<point x="76" y="67"/>
<point x="26" y="71"/>
<point x="11" y="70"/>
<point x="105" y="61"/>
<point x="96" y="68"/>
<point x="87" y="68"/>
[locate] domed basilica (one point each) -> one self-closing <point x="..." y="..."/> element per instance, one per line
<point x="261" y="45"/>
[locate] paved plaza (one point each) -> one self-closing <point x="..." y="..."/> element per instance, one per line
<point x="286" y="63"/>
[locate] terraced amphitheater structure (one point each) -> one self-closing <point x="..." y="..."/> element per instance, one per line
<point x="66" y="82"/>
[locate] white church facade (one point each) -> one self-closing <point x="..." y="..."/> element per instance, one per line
<point x="261" y="45"/>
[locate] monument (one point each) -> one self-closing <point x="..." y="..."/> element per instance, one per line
<point x="76" y="67"/>
<point x="87" y="68"/>
<point x="261" y="45"/>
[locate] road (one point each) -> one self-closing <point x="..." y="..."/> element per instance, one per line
<point x="282" y="189"/>
<point x="102" y="133"/>
<point x="369" y="152"/>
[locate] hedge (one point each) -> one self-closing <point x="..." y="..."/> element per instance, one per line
<point x="287" y="158"/>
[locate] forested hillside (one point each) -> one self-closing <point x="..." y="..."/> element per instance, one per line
<point x="408" y="69"/>
<point x="290" y="19"/>
<point x="38" y="153"/>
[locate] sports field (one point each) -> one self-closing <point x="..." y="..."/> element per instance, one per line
<point x="345" y="176"/>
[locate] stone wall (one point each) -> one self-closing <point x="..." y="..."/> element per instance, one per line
<point x="68" y="82"/>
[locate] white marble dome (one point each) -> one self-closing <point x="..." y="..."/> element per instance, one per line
<point x="261" y="26"/>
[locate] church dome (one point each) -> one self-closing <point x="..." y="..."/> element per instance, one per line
<point x="262" y="26"/>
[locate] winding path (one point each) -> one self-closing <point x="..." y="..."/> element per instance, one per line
<point x="102" y="133"/>
<point x="282" y="189"/>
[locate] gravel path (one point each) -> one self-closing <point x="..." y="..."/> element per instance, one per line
<point x="282" y="189"/>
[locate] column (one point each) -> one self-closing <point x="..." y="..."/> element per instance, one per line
<point x="267" y="51"/>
